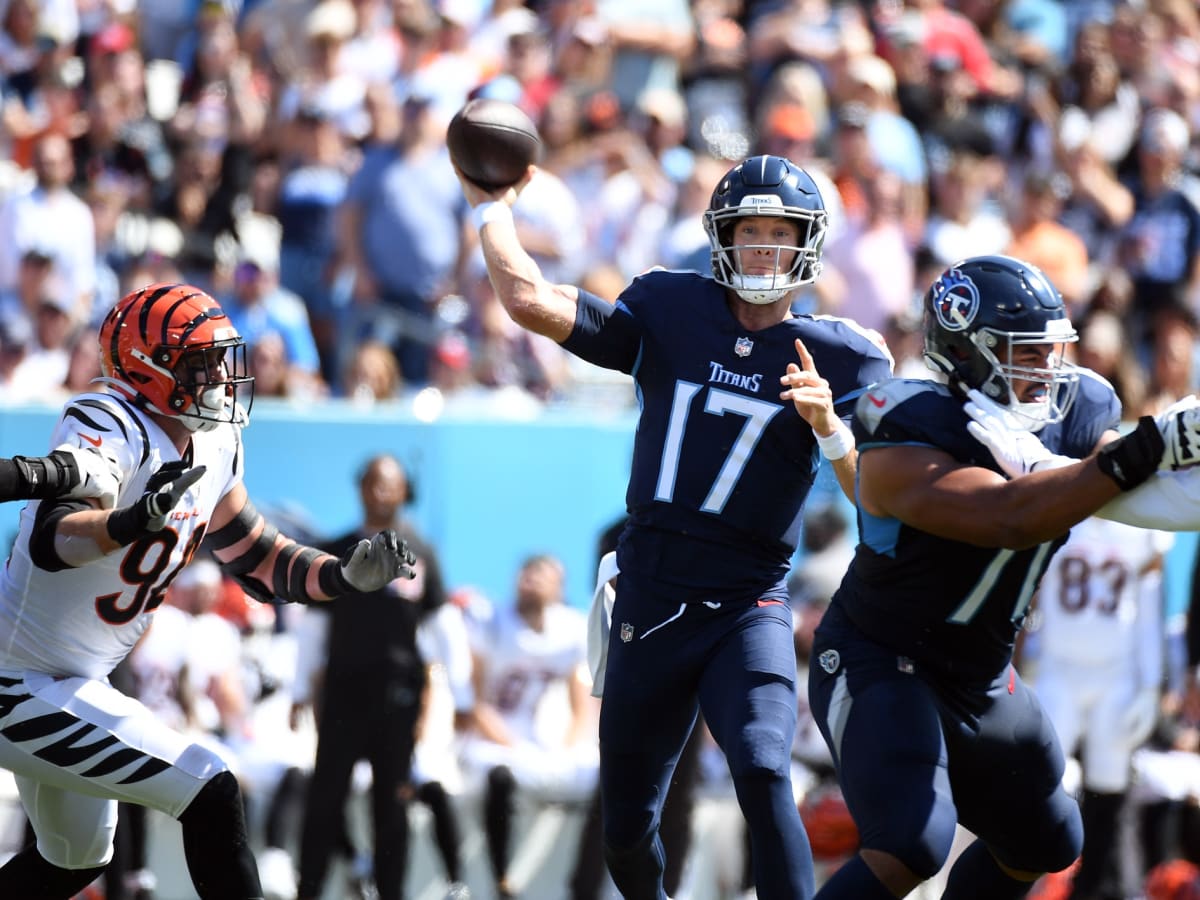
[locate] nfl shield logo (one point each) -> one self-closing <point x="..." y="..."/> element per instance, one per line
<point x="743" y="347"/>
<point x="626" y="632"/>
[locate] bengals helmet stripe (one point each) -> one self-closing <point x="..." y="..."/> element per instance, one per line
<point x="154" y="343"/>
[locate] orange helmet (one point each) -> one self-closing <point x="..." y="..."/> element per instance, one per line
<point x="171" y="344"/>
<point x="832" y="833"/>
<point x="1175" y="879"/>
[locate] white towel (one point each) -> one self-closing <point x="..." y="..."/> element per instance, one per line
<point x="600" y="621"/>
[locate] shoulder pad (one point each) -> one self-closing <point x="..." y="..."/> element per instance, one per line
<point x="883" y="398"/>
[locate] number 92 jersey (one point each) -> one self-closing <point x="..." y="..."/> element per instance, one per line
<point x="83" y="621"/>
<point x="946" y="604"/>
<point x="721" y="466"/>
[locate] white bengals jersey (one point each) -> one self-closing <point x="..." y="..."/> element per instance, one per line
<point x="83" y="621"/>
<point x="1090" y="596"/>
<point x="523" y="663"/>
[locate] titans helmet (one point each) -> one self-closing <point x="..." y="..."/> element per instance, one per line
<point x="978" y="312"/>
<point x="173" y="348"/>
<point x="766" y="186"/>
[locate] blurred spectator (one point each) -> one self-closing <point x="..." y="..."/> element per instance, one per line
<point x="1106" y="347"/>
<point x="83" y="364"/>
<point x="221" y="100"/>
<point x="52" y="219"/>
<point x="528" y="656"/>
<point x="259" y="305"/>
<point x="961" y="222"/>
<point x="329" y="86"/>
<point x="312" y="187"/>
<point x="1098" y="204"/>
<point x="1173" y="362"/>
<point x="43" y="369"/>
<point x="372" y="374"/>
<point x="1037" y="236"/>
<point x="649" y="43"/>
<point x="401" y="238"/>
<point x="1160" y="245"/>
<point x="873" y="259"/>
<point x="268" y="364"/>
<point x="371" y="688"/>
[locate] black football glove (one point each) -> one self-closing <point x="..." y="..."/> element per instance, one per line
<point x="149" y="512"/>
<point x="1133" y="457"/>
<point x="373" y="563"/>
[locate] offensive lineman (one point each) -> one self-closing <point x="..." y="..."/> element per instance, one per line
<point x="83" y="582"/>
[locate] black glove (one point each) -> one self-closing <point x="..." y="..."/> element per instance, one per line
<point x="1133" y="457"/>
<point x="371" y="564"/>
<point x="149" y="512"/>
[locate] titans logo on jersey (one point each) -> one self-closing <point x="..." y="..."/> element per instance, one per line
<point x="83" y="621"/>
<point x="718" y="456"/>
<point x="913" y="591"/>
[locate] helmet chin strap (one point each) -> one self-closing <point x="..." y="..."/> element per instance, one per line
<point x="212" y="401"/>
<point x="759" y="289"/>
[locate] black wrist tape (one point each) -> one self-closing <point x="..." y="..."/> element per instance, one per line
<point x="1133" y="457"/>
<point x="331" y="580"/>
<point x="126" y="524"/>
<point x="40" y="478"/>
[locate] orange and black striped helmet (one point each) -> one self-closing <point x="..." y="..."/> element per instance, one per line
<point x="173" y="346"/>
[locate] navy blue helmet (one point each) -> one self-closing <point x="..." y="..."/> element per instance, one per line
<point x="766" y="186"/>
<point x="978" y="311"/>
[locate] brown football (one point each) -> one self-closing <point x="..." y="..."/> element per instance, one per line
<point x="492" y="143"/>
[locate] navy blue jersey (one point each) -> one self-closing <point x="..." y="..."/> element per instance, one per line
<point x="721" y="466"/>
<point x="946" y="604"/>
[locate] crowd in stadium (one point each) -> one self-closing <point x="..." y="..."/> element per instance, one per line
<point x="288" y="156"/>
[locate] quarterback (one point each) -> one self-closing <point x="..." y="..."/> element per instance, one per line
<point x="83" y="582"/>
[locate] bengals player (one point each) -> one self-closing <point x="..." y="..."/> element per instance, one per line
<point x="83" y="583"/>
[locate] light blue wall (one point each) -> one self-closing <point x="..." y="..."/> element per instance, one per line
<point x="490" y="492"/>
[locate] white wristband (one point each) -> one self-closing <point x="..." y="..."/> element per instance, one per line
<point x="490" y="211"/>
<point x="836" y="445"/>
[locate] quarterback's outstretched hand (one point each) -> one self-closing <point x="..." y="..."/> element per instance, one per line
<point x="1180" y="427"/>
<point x="149" y="512"/>
<point x="98" y="474"/>
<point x="1016" y="449"/>
<point x="373" y="563"/>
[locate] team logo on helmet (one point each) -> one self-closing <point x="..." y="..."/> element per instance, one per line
<point x="955" y="300"/>
<point x="626" y="632"/>
<point x="743" y="346"/>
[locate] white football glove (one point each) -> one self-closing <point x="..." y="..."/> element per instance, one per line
<point x="1180" y="427"/>
<point x="99" y="474"/>
<point x="1016" y="449"/>
<point x="373" y="563"/>
<point x="1139" y="719"/>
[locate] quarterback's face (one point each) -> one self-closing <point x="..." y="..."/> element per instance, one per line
<point x="765" y="244"/>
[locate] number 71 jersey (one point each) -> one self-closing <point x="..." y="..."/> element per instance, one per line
<point x="947" y="604"/>
<point x="83" y="621"/>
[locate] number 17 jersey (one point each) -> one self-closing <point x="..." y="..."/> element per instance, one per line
<point x="721" y="465"/>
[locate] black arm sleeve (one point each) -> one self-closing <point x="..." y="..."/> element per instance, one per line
<point x="45" y="526"/>
<point x="37" y="477"/>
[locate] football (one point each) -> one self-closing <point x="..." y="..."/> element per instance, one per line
<point x="492" y="143"/>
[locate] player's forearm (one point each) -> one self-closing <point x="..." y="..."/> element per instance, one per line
<point x="1170" y="501"/>
<point x="82" y="537"/>
<point x="33" y="477"/>
<point x="1045" y="505"/>
<point x="268" y="564"/>
<point x="844" y="470"/>
<point x="491" y="726"/>
<point x="529" y="299"/>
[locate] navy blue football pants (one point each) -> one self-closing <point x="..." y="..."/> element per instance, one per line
<point x="737" y="663"/>
<point x="917" y="752"/>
